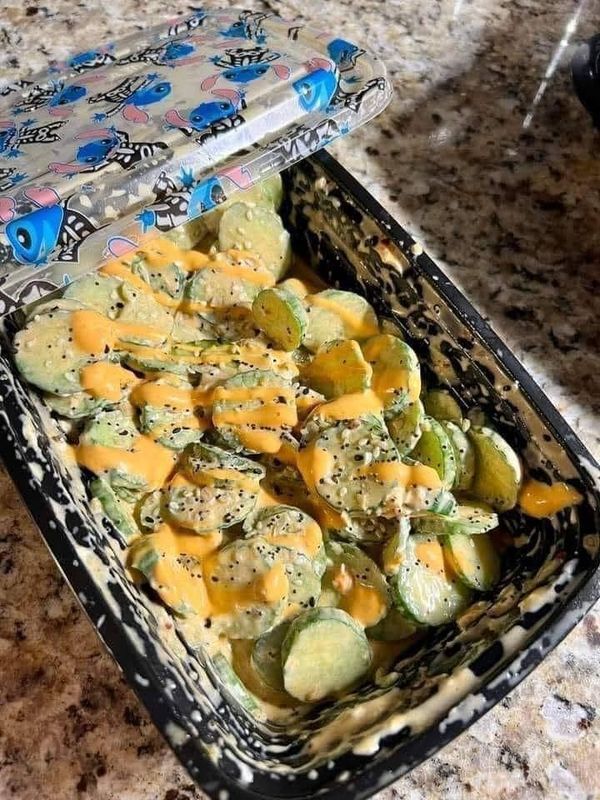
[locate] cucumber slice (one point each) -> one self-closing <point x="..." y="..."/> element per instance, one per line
<point x="46" y="356"/>
<point x="283" y="481"/>
<point x="168" y="279"/>
<point x="442" y="503"/>
<point x="142" y="309"/>
<point x="204" y="508"/>
<point x="254" y="410"/>
<point x="392" y="628"/>
<point x="268" y="193"/>
<point x="217" y="363"/>
<point x="234" y="687"/>
<point x="281" y="317"/>
<point x="117" y="511"/>
<point x="155" y="363"/>
<point x="259" y="230"/>
<point x="295" y="286"/>
<point x="440" y="405"/>
<point x="324" y="652"/>
<point x="362" y="530"/>
<point x="229" y="324"/>
<point x="112" y="427"/>
<point x="354" y="583"/>
<point x="467" y="520"/>
<point x="176" y="425"/>
<point x="192" y="330"/>
<point x="266" y="656"/>
<point x="404" y="426"/>
<point x="45" y="306"/>
<point x="149" y="511"/>
<point x="74" y="406"/>
<point x="188" y="235"/>
<point x="335" y="314"/>
<point x="464" y="455"/>
<point x="208" y="465"/>
<point x="348" y="466"/>
<point x="338" y="368"/>
<point x="306" y="400"/>
<point x="474" y="559"/>
<point x="171" y="428"/>
<point x="115" y="428"/>
<point x="230" y="279"/>
<point x="394" y="549"/>
<point x="435" y="449"/>
<point x="247" y="587"/>
<point x="396" y="372"/>
<point x="498" y="471"/>
<point x="100" y="292"/>
<point x="303" y="576"/>
<point x="286" y="526"/>
<point x="173" y="570"/>
<point x="425" y="588"/>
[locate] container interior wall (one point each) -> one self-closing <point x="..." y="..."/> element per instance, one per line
<point x="351" y="250"/>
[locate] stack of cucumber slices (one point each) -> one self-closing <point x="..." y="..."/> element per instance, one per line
<point x="280" y="476"/>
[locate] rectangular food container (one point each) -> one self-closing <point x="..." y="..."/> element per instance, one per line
<point x="354" y="747"/>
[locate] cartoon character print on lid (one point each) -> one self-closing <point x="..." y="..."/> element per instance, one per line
<point x="345" y="54"/>
<point x="244" y="65"/>
<point x="209" y="115"/>
<point x="317" y="88"/>
<point x="31" y="291"/>
<point x="16" y="87"/>
<point x="118" y="246"/>
<point x="9" y="177"/>
<point x="14" y="135"/>
<point x="355" y="100"/>
<point x="105" y="146"/>
<point x="191" y="23"/>
<point x="176" y="203"/>
<point x="302" y="140"/>
<point x="57" y="97"/>
<point x="168" y="54"/>
<point x="248" y="26"/>
<point x="52" y="231"/>
<point x="88" y="60"/>
<point x="131" y="96"/>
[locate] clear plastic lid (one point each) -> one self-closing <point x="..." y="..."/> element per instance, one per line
<point x="124" y="142"/>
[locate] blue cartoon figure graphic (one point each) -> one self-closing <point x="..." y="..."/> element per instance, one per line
<point x="88" y="60"/>
<point x="316" y="89"/>
<point x="56" y="96"/>
<point x="14" y="135"/>
<point x="70" y="94"/>
<point x="102" y="146"/>
<point x="242" y="65"/>
<point x="248" y="26"/>
<point x="205" y="195"/>
<point x="345" y="54"/>
<point x="52" y="229"/>
<point x="171" y="54"/>
<point x="35" y="236"/>
<point x="208" y="113"/>
<point x="132" y="96"/>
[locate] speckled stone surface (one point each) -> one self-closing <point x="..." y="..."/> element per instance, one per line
<point x="503" y="190"/>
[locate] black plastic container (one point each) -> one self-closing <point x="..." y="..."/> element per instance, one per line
<point x="451" y="678"/>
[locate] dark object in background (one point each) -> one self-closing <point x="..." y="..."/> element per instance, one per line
<point x="585" y="69"/>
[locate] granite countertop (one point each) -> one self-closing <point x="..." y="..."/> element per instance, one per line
<point x="486" y="155"/>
